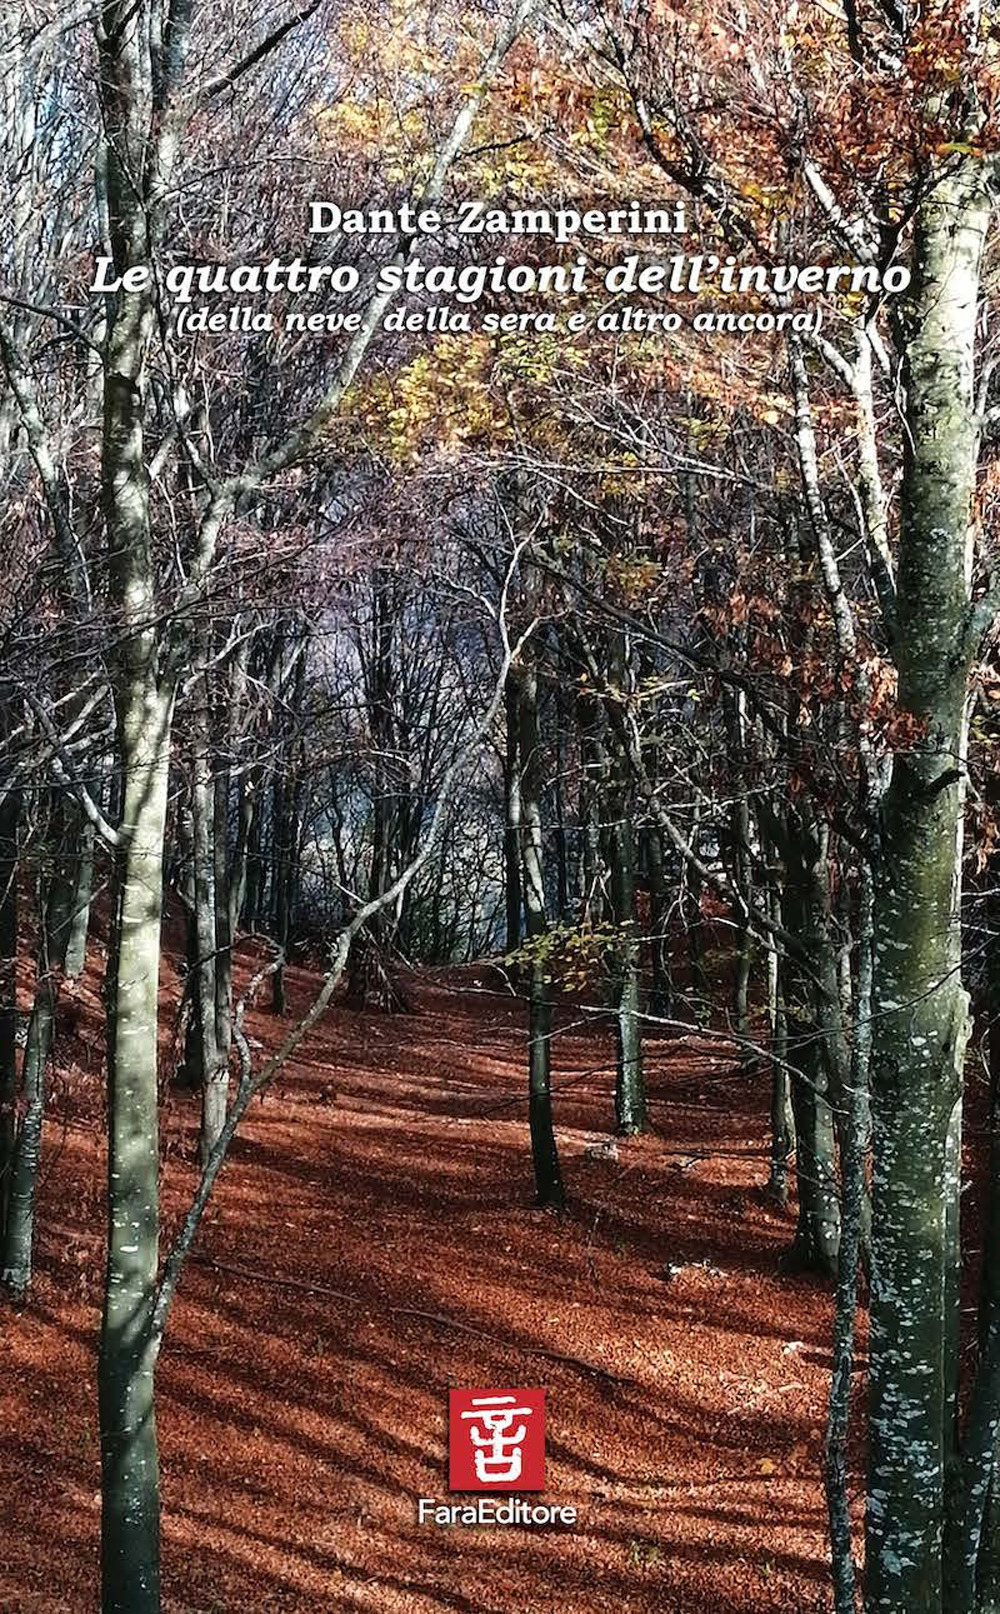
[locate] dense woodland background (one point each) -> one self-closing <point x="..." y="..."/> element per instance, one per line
<point x="641" y="688"/>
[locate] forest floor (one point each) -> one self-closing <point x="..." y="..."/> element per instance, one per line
<point x="372" y="1242"/>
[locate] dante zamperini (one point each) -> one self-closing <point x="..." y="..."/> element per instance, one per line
<point x="476" y="217"/>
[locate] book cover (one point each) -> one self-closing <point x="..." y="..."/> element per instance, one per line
<point x="498" y="807"/>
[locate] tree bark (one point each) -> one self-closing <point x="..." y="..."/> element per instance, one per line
<point x="812" y="977"/>
<point x="55" y="888"/>
<point x="855" y="1228"/>
<point x="630" y="1087"/>
<point x="782" y="1119"/>
<point x="225" y="872"/>
<point x="83" y="885"/>
<point x="920" y="1007"/>
<point x="10" y="818"/>
<point x="739" y="848"/>
<point x="549" y="1191"/>
<point x="592" y="790"/>
<point x="988" y="1567"/>
<point x="661" y="988"/>
<point x="130" y="1519"/>
<point x="280" y="830"/>
<point x="691" y="888"/>
<point x="214" y="1070"/>
<point x="130" y="1514"/>
<point x="512" y="818"/>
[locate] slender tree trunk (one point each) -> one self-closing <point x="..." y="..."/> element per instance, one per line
<point x="130" y="1520"/>
<point x="83" y="885"/>
<point x="739" y="840"/>
<point x="808" y="1010"/>
<point x="512" y="818"/>
<point x="661" y="989"/>
<point x="549" y="1189"/>
<point x="190" y="1074"/>
<point x="10" y="816"/>
<point x="988" y="1569"/>
<point x="855" y="1229"/>
<point x="691" y="909"/>
<point x="252" y="904"/>
<point x="630" y="1086"/>
<point x="740" y="826"/>
<point x="19" y="1234"/>
<point x="225" y="872"/>
<point x="560" y="836"/>
<point x="230" y="867"/>
<point x="280" y="815"/>
<point x="130" y="1513"/>
<point x="214" y="1070"/>
<point x="239" y="875"/>
<point x="56" y="895"/>
<point x="861" y="1052"/>
<point x="592" y="790"/>
<point x="782" y="1119"/>
<point x="368" y="974"/>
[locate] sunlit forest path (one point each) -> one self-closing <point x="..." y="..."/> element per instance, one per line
<point x="372" y="1241"/>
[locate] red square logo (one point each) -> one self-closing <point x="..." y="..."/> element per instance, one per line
<point x="496" y="1440"/>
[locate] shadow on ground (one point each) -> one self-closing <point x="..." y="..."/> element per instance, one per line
<point x="299" y="1428"/>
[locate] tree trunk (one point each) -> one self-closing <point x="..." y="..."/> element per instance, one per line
<point x="230" y="867"/>
<point x="252" y="904"/>
<point x="782" y="1119"/>
<point x="239" y="874"/>
<point x="560" y="837"/>
<point x="280" y="814"/>
<point x="660" y="999"/>
<point x="549" y="1191"/>
<point x="630" y="1087"/>
<point x="130" y="1519"/>
<point x="512" y="819"/>
<point x="989" y="1287"/>
<point x="811" y="1003"/>
<point x="920" y="1008"/>
<point x="739" y="846"/>
<point x="855" y="1229"/>
<point x="225" y="873"/>
<point x="130" y="1514"/>
<point x="739" y="829"/>
<point x="694" y="924"/>
<point x="661" y="990"/>
<point x="19" y="1235"/>
<point x="83" y="885"/>
<point x="592" y="788"/>
<point x="10" y="817"/>
<point x="214" y="1070"/>
<point x="190" y="1074"/>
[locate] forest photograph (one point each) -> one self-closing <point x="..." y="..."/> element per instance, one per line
<point x="500" y="806"/>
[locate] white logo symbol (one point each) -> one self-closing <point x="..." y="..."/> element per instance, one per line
<point x="498" y="1446"/>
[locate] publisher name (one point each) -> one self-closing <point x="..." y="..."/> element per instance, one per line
<point x="489" y="1510"/>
